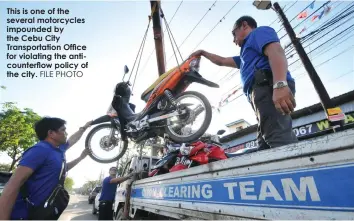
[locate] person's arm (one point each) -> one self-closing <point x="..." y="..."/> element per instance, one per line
<point x="216" y="59"/>
<point x="268" y="43"/>
<point x="77" y="160"/>
<point x="30" y="161"/>
<point x="11" y="190"/>
<point x="277" y="61"/>
<point x="119" y="180"/>
<point x="77" y="135"/>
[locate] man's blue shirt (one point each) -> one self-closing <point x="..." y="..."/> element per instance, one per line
<point x="252" y="55"/>
<point x="108" y="190"/>
<point x="46" y="162"/>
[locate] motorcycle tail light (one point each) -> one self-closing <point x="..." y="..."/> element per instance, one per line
<point x="194" y="64"/>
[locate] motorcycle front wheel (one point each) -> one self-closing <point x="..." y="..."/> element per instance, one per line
<point x="177" y="131"/>
<point x="104" y="149"/>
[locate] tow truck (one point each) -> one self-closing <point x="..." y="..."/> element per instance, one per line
<point x="312" y="179"/>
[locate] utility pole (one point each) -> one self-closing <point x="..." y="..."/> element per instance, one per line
<point x="334" y="114"/>
<point x="158" y="35"/>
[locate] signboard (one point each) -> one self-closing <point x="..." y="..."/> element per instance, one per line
<point x="327" y="188"/>
<point x="301" y="131"/>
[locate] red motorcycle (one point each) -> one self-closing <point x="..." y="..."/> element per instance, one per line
<point x="181" y="156"/>
<point x="198" y="153"/>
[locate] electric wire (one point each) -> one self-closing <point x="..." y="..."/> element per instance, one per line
<point x="345" y="30"/>
<point x="213" y="5"/>
<point x="340" y="53"/>
<point x="307" y="18"/>
<point x="325" y="50"/>
<point x="324" y="27"/>
<point x="296" y="15"/>
<point x="215" y="26"/>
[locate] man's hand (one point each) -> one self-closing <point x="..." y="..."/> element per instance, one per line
<point x="77" y="135"/>
<point x="197" y="53"/>
<point x="87" y="125"/>
<point x="284" y="100"/>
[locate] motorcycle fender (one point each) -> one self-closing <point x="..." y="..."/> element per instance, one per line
<point x="178" y="167"/>
<point x="201" y="158"/>
<point x="153" y="173"/>
<point x="217" y="153"/>
<point x="193" y="76"/>
<point x="197" y="146"/>
<point x="103" y="119"/>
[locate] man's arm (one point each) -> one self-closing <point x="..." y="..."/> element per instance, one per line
<point x="11" y="190"/>
<point x="77" y="160"/>
<point x="267" y="43"/>
<point x="282" y="97"/>
<point x="121" y="179"/>
<point x="78" y="134"/>
<point x="277" y="61"/>
<point x="216" y="59"/>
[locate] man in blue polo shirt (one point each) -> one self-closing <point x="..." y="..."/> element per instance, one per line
<point x="267" y="83"/>
<point x="39" y="168"/>
<point x="108" y="193"/>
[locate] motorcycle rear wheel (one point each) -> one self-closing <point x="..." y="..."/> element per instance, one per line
<point x="208" y="116"/>
<point x="88" y="144"/>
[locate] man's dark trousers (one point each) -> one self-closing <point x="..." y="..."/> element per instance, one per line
<point x="274" y="129"/>
<point x="105" y="210"/>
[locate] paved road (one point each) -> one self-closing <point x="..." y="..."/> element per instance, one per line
<point x="78" y="209"/>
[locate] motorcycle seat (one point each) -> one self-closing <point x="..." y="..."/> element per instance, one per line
<point x="146" y="94"/>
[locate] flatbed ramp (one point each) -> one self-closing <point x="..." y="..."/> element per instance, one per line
<point x="313" y="179"/>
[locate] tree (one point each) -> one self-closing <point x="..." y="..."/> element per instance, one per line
<point x="68" y="183"/>
<point x="4" y="167"/>
<point x="16" y="131"/>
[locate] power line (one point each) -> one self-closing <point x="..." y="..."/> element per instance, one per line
<point x="216" y="25"/>
<point x="328" y="49"/>
<point x="340" y="53"/>
<point x="307" y="17"/>
<point x="322" y="28"/>
<point x="345" y="30"/>
<point x="291" y="49"/>
<point x="213" y="5"/>
<point x="296" y="15"/>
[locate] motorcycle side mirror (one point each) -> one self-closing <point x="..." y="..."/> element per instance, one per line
<point x="126" y="69"/>
<point x="221" y="132"/>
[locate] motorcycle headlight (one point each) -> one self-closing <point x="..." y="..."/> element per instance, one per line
<point x="185" y="150"/>
<point x="194" y="64"/>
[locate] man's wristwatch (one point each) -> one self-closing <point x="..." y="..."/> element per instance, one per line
<point x="280" y="84"/>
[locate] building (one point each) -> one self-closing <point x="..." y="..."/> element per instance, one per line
<point x="307" y="123"/>
<point x="237" y="125"/>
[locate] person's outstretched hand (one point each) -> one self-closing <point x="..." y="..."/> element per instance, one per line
<point x="196" y="53"/>
<point x="88" y="124"/>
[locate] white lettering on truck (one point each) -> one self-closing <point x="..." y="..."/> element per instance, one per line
<point x="247" y="190"/>
<point x="268" y="190"/>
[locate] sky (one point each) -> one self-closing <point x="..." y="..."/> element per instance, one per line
<point x="113" y="32"/>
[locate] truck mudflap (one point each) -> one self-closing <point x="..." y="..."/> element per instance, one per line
<point x="313" y="179"/>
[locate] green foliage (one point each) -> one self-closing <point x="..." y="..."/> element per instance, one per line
<point x="68" y="183"/>
<point x="4" y="167"/>
<point x="16" y="131"/>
